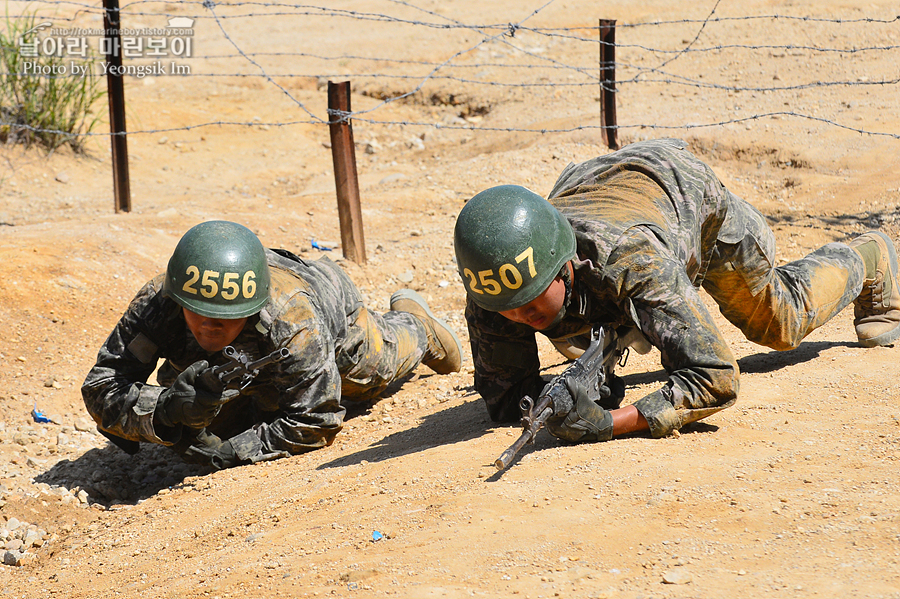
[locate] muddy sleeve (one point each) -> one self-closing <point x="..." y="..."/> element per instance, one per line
<point x="652" y="285"/>
<point x="303" y="395"/>
<point x="506" y="361"/>
<point x="115" y="391"/>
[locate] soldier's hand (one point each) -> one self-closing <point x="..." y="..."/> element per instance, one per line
<point x="563" y="402"/>
<point x="187" y="401"/>
<point x="210" y="449"/>
<point x="585" y="422"/>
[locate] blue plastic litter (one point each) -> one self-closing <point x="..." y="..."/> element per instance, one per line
<point x="39" y="416"/>
<point x="376" y="536"/>
<point x="320" y="247"/>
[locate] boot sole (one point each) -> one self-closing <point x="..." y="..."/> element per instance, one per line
<point x="883" y="339"/>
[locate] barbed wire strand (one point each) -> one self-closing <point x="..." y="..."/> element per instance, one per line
<point x="696" y="37"/>
<point x="504" y="33"/>
<point x="476" y="129"/>
<point x="210" y="6"/>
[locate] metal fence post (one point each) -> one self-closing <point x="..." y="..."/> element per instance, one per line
<point x="345" y="178"/>
<point x="608" y="82"/>
<point x="115" y="89"/>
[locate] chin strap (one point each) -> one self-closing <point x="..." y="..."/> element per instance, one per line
<point x="567" y="281"/>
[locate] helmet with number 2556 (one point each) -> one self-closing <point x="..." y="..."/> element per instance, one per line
<point x="510" y="244"/>
<point x="219" y="270"/>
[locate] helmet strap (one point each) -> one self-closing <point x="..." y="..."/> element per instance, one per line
<point x="567" y="281"/>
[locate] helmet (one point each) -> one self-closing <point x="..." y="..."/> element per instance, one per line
<point x="510" y="244"/>
<point x="219" y="270"/>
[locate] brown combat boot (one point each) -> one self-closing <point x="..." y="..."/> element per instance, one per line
<point x="877" y="309"/>
<point x="444" y="354"/>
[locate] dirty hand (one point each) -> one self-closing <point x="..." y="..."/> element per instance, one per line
<point x="188" y="401"/>
<point x="212" y="450"/>
<point x="586" y="421"/>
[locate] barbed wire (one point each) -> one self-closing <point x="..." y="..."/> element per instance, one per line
<point x="93" y="8"/>
<point x="211" y="6"/>
<point x="504" y="34"/>
<point x="674" y="80"/>
<point x="477" y="129"/>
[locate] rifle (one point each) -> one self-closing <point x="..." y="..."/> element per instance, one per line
<point x="590" y="369"/>
<point x="240" y="371"/>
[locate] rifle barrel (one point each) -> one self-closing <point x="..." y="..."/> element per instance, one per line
<point x="524" y="439"/>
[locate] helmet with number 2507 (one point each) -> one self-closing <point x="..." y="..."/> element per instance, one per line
<point x="219" y="270"/>
<point x="510" y="244"/>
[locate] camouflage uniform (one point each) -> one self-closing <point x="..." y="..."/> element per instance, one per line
<point x="338" y="349"/>
<point x="653" y="224"/>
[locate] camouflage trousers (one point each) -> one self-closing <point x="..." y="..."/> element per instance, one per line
<point x="376" y="351"/>
<point x="385" y="348"/>
<point x="777" y="306"/>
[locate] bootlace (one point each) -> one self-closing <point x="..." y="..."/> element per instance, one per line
<point x="870" y="298"/>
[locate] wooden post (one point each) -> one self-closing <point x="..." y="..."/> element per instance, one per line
<point x="608" y="82"/>
<point x="345" y="179"/>
<point x="115" y="90"/>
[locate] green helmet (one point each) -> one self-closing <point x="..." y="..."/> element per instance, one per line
<point x="510" y="245"/>
<point x="219" y="270"/>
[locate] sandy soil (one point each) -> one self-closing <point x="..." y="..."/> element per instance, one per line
<point x="791" y="493"/>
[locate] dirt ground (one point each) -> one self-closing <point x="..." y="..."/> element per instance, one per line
<point x="790" y="493"/>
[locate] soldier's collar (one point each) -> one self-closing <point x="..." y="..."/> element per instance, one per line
<point x="263" y="320"/>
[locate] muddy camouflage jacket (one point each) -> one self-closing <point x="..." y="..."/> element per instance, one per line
<point x="646" y="220"/>
<point x="292" y="406"/>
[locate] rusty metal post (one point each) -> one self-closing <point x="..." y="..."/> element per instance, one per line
<point x="345" y="179"/>
<point x="115" y="90"/>
<point x="608" y="82"/>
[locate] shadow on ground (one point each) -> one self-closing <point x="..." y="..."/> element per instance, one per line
<point x="455" y="424"/>
<point x="774" y="360"/>
<point x="109" y="475"/>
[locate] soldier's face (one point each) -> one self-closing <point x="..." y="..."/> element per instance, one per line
<point x="213" y="334"/>
<point x="541" y="312"/>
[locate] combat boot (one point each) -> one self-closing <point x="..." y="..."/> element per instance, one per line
<point x="876" y="311"/>
<point x="444" y="353"/>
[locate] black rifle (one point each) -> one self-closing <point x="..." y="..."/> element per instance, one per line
<point x="240" y="371"/>
<point x="236" y="374"/>
<point x="590" y="370"/>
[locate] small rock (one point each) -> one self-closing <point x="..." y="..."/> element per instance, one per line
<point x="392" y="178"/>
<point x="83" y="424"/>
<point x="16" y="558"/>
<point x="62" y="177"/>
<point x="677" y="577"/>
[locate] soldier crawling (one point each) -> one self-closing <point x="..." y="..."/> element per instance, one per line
<point x="627" y="239"/>
<point x="222" y="288"/>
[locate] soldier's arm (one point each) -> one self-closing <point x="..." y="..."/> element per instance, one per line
<point x="628" y="420"/>
<point x="115" y="391"/>
<point x="506" y="362"/>
<point x="653" y="286"/>
<point x="304" y="393"/>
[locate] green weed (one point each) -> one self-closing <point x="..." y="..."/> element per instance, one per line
<point x="48" y="110"/>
